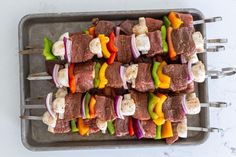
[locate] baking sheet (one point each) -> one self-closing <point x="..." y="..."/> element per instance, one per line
<point x="32" y="29"/>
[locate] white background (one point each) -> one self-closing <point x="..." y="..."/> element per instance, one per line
<point x="225" y="89"/>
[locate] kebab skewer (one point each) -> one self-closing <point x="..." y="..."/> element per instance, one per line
<point x="146" y="39"/>
<point x="139" y="105"/>
<point x="142" y="76"/>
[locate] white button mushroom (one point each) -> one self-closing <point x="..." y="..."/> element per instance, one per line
<point x="127" y="105"/>
<point x="102" y="125"/>
<point x="58" y="106"/>
<point x="199" y="72"/>
<point x="58" y="49"/>
<point x="140" y="28"/>
<point x="182" y="129"/>
<point x="131" y="73"/>
<point x="49" y="120"/>
<point x="143" y="43"/>
<point x="199" y="42"/>
<point x="95" y="47"/>
<point x="63" y="79"/>
<point x="193" y="105"/>
<point x="65" y="35"/>
<point x="61" y="93"/>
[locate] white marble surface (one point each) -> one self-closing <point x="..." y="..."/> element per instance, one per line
<point x="221" y="90"/>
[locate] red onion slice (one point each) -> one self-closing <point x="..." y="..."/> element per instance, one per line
<point x="83" y="108"/>
<point x="49" y="104"/>
<point x="122" y="75"/>
<point x="118" y="100"/>
<point x="117" y="31"/>
<point x="55" y="74"/>
<point x="68" y="45"/>
<point x="184" y="105"/>
<point x="190" y="73"/>
<point x="183" y="59"/>
<point x="138" y="128"/>
<point x="134" y="48"/>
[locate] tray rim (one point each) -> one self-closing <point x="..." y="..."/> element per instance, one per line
<point x="28" y="17"/>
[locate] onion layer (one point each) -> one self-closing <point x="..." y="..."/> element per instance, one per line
<point x="49" y="104"/>
<point x="190" y="73"/>
<point x="184" y="105"/>
<point x="134" y="48"/>
<point x="55" y="74"/>
<point x="83" y="108"/>
<point x="68" y="45"/>
<point x="122" y="75"/>
<point x="118" y="100"/>
<point x="138" y="128"/>
<point x="117" y="31"/>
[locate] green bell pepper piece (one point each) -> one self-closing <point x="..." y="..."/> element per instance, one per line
<point x="167" y="22"/>
<point x="152" y="101"/>
<point x="96" y="80"/>
<point x="154" y="74"/>
<point x="47" y="50"/>
<point x="86" y="103"/>
<point x="110" y="127"/>
<point x="73" y="126"/>
<point x="158" y="132"/>
<point x="163" y="34"/>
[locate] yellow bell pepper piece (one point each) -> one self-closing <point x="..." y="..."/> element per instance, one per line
<point x="175" y="20"/>
<point x="102" y="77"/>
<point x="159" y="121"/>
<point x="83" y="129"/>
<point x="165" y="80"/>
<point x="104" y="40"/>
<point x="158" y="109"/>
<point x="166" y="130"/>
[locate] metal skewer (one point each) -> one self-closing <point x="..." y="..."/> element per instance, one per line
<point x="213" y="74"/>
<point x="216" y="74"/>
<point x="34" y="50"/>
<point x="208" y="20"/>
<point x="189" y="128"/>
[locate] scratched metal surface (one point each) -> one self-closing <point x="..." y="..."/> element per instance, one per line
<point x="35" y="136"/>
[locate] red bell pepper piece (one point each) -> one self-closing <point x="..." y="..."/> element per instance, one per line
<point x="131" y="128"/>
<point x="72" y="80"/>
<point x="112" y="48"/>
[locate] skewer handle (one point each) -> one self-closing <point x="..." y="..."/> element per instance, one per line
<point x="39" y="76"/>
<point x="31" y="117"/>
<point x="190" y="128"/>
<point x="209" y="20"/>
<point x="216" y="74"/>
<point x="223" y="40"/>
<point x="34" y="106"/>
<point x="215" y="48"/>
<point x="216" y="104"/>
<point x="31" y="51"/>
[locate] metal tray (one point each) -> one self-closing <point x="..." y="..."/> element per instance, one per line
<point x="34" y="134"/>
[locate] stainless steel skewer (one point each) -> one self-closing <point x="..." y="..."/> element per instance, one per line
<point x="209" y="104"/>
<point x="208" y="20"/>
<point x="216" y="74"/>
<point x="34" y="50"/>
<point x="189" y="128"/>
<point x="213" y="74"/>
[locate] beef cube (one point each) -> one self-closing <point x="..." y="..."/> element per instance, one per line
<point x="84" y="75"/>
<point x="72" y="106"/>
<point x="80" y="51"/>
<point x="104" y="108"/>
<point x="141" y="102"/>
<point x="113" y="75"/>
<point x="144" y="81"/>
